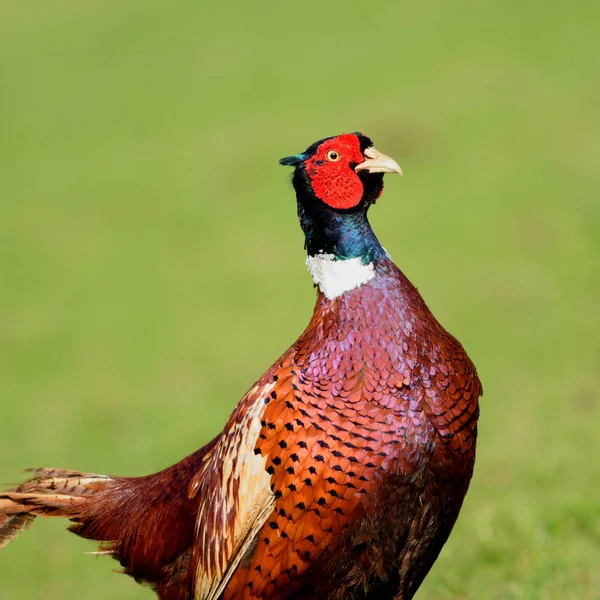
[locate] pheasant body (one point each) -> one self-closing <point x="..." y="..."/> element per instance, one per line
<point x="358" y="407"/>
<point x="341" y="472"/>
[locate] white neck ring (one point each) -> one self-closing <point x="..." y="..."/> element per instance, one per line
<point x="335" y="277"/>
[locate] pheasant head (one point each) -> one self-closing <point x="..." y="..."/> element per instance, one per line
<point x="336" y="180"/>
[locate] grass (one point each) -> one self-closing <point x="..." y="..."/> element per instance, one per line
<point x="151" y="266"/>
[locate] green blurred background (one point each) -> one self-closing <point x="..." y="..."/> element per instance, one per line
<point x="151" y="265"/>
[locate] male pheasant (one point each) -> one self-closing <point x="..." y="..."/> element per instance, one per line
<point x="341" y="472"/>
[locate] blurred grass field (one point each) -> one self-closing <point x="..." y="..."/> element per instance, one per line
<point x="151" y="265"/>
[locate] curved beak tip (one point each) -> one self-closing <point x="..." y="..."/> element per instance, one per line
<point x="378" y="163"/>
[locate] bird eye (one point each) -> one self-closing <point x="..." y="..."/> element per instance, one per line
<point x="333" y="156"/>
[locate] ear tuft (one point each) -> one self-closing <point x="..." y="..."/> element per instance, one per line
<point x="294" y="160"/>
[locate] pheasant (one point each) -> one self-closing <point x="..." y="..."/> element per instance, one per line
<point x="341" y="472"/>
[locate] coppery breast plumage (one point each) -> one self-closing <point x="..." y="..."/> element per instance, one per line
<point x="375" y="394"/>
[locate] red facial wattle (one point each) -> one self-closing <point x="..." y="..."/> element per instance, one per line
<point x="335" y="182"/>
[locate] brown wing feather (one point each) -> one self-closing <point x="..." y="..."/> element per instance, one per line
<point x="236" y="496"/>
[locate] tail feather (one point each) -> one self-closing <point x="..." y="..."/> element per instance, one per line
<point x="146" y="523"/>
<point x="73" y="483"/>
<point x="48" y="493"/>
<point x="12" y="525"/>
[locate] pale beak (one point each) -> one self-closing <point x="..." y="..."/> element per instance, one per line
<point x="378" y="163"/>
